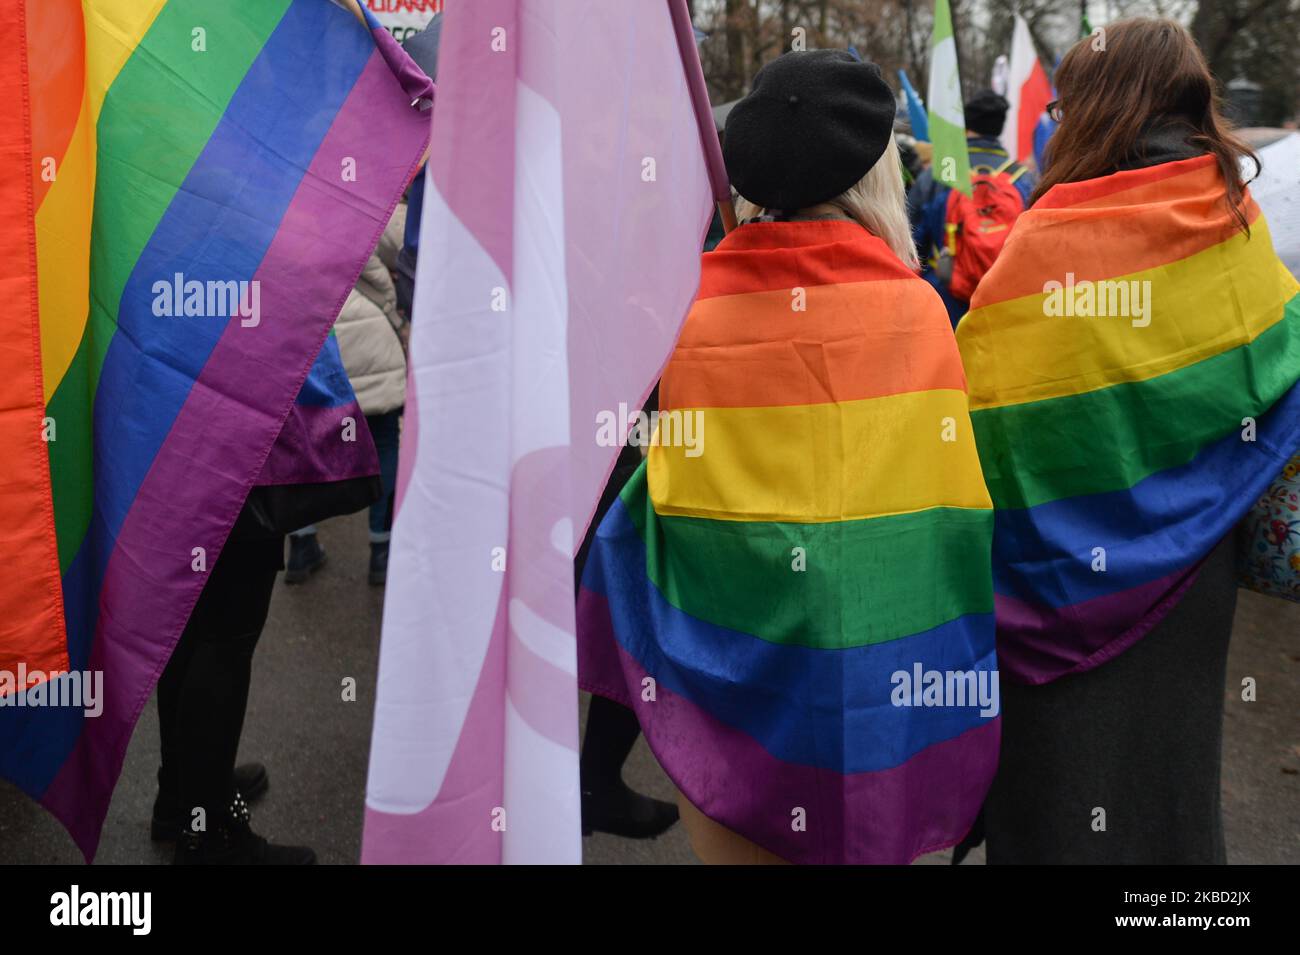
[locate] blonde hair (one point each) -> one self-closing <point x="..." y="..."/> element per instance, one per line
<point x="877" y="202"/>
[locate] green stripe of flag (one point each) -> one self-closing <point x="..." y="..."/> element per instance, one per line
<point x="1062" y="447"/>
<point x="853" y="583"/>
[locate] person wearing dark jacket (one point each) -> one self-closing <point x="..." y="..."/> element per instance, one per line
<point x="927" y="201"/>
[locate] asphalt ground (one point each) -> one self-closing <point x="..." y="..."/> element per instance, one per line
<point x="315" y="745"/>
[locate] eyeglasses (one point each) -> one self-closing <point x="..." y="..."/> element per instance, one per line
<point x="1054" y="110"/>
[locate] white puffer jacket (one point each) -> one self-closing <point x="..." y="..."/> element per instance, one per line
<point x="370" y="333"/>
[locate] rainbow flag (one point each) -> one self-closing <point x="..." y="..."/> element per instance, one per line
<point x="1133" y="359"/>
<point x="792" y="582"/>
<point x="192" y="189"/>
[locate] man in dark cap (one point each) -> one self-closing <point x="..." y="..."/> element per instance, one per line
<point x="937" y="225"/>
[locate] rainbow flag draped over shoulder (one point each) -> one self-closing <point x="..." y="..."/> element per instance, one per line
<point x="1133" y="358"/>
<point x="191" y="189"/>
<point x="800" y="567"/>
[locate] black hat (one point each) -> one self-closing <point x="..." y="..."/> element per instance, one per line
<point x="812" y="126"/>
<point x="986" y="111"/>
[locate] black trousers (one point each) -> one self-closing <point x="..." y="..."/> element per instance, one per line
<point x="203" y="692"/>
<point x="612" y="728"/>
<point x="1139" y="737"/>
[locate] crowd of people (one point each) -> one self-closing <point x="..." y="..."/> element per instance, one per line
<point x="891" y="270"/>
<point x="1112" y="693"/>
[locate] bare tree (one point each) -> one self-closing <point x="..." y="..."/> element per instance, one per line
<point x="1242" y="39"/>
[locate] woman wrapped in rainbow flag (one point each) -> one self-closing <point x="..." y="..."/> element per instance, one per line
<point x="794" y="590"/>
<point x="1133" y="357"/>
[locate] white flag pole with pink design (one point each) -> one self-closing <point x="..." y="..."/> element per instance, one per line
<point x="566" y="201"/>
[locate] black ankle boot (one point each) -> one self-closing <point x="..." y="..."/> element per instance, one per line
<point x="620" y="811"/>
<point x="250" y="780"/>
<point x="231" y="841"/>
<point x="379" y="563"/>
<point x="306" y="556"/>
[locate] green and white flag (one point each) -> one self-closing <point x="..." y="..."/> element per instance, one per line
<point x="951" y="163"/>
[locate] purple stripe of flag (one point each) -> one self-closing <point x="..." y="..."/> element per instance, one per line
<point x="413" y="80"/>
<point x="851" y="818"/>
<point x="1038" y="644"/>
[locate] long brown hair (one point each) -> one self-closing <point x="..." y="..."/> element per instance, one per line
<point x="1113" y="87"/>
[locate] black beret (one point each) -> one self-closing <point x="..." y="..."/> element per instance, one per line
<point x="812" y="126"/>
<point x="985" y="113"/>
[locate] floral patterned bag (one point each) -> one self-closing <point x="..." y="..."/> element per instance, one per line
<point x="1269" y="548"/>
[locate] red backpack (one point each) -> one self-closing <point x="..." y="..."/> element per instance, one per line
<point x="976" y="227"/>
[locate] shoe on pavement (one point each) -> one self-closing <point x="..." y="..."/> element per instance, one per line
<point x="621" y="811"/>
<point x="250" y="781"/>
<point x="378" y="564"/>
<point x="306" y="556"/>
<point x="233" y="842"/>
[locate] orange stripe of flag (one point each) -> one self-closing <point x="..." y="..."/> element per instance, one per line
<point x="1176" y="217"/>
<point x="838" y="251"/>
<point x="850" y="341"/>
<point x="56" y="42"/>
<point x="31" y="600"/>
<point x="1092" y="190"/>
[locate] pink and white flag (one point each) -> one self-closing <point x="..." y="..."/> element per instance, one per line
<point x="1028" y="91"/>
<point x="565" y="206"/>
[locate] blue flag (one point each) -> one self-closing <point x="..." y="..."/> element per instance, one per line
<point x="915" y="109"/>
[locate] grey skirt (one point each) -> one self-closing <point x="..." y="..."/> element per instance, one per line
<point x="1120" y="765"/>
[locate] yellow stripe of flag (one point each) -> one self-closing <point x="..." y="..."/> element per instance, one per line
<point x="114" y="28"/>
<point x="788" y="463"/>
<point x="1186" y="320"/>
